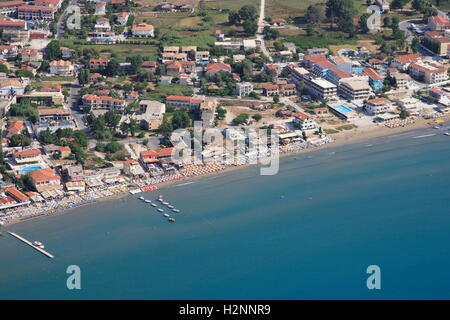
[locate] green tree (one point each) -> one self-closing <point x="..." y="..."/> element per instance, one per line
<point x="250" y="27"/>
<point x="248" y="12"/>
<point x="83" y="76"/>
<point x="112" y="68"/>
<point x="257" y="117"/>
<point x="112" y="119"/>
<point x="240" y="119"/>
<point x="315" y="14"/>
<point x="415" y="44"/>
<point x="19" y="140"/>
<point x="363" y="23"/>
<point x="53" y="50"/>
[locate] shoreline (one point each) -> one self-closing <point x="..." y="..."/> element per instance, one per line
<point x="339" y="139"/>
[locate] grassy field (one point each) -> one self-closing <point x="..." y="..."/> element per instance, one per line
<point x="295" y="8"/>
<point x="444" y="5"/>
<point x="231" y="4"/>
<point x="121" y="50"/>
<point x="153" y="3"/>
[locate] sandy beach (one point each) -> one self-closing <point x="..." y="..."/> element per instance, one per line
<point x="338" y="139"/>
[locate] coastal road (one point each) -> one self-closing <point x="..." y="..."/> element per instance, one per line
<point x="260" y="35"/>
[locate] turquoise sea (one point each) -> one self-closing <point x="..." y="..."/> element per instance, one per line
<point x="308" y="232"/>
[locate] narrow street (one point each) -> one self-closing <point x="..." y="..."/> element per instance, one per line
<point x="260" y="35"/>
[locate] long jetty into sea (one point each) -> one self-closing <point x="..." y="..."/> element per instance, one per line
<point x="31" y="245"/>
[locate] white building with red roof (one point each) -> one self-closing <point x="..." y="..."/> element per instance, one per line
<point x="304" y="121"/>
<point x="122" y="18"/>
<point x="104" y="102"/>
<point x="61" y="67"/>
<point x="184" y="101"/>
<point x="45" y="180"/>
<point x="438" y="23"/>
<point x="143" y="30"/>
<point x="428" y="71"/>
<point x="35" y="12"/>
<point x="213" y="68"/>
<point x="402" y="62"/>
<point x="377" y="106"/>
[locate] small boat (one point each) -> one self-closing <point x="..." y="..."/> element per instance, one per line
<point x="147" y="201"/>
<point x="447" y="133"/>
<point x="141" y="198"/>
<point x="436" y="127"/>
<point x="170" y="207"/>
<point x="171" y="220"/>
<point x="175" y="210"/>
<point x="166" y="215"/>
<point x="165" y="203"/>
<point x="160" y="200"/>
<point x="38" y="244"/>
<point x="160" y="210"/>
<point x="154" y="205"/>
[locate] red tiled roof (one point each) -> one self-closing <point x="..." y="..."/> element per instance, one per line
<point x="44" y="175"/>
<point x="148" y="64"/>
<point x="165" y="152"/>
<point x="16" y="126"/>
<point x="270" y="87"/>
<point x="11" y="23"/>
<point x="6" y="4"/>
<point x="407" y="58"/>
<point x="315" y="59"/>
<point x="377" y="100"/>
<point x="372" y="74"/>
<point x="53" y="111"/>
<point x="16" y="194"/>
<point x="27" y="153"/>
<point x="424" y="68"/>
<point x="301" y="115"/>
<point x="440" y="20"/>
<point x="217" y="67"/>
<point x="91" y="97"/>
<point x="436" y="90"/>
<point x="325" y="64"/>
<point x="36" y="8"/>
<point x="341" y="74"/>
<point x="98" y="60"/>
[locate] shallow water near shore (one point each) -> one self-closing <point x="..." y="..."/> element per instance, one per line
<point x="308" y="232"/>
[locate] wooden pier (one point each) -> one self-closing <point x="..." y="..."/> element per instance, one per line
<point x="31" y="245"/>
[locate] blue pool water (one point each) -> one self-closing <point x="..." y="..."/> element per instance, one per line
<point x="358" y="70"/>
<point x="310" y="231"/>
<point x="28" y="169"/>
<point x="342" y="109"/>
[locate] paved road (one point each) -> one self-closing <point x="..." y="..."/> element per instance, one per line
<point x="259" y="34"/>
<point x="291" y="103"/>
<point x="60" y="26"/>
<point x="404" y="26"/>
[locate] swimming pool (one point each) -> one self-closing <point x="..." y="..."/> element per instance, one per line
<point x="358" y="70"/>
<point x="342" y="109"/>
<point x="27" y="169"/>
